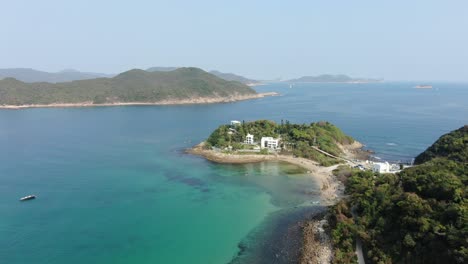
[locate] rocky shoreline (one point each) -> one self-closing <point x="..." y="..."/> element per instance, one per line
<point x="316" y="246"/>
<point x="280" y="238"/>
<point x="198" y="100"/>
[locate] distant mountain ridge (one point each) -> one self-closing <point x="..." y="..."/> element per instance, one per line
<point x="222" y="75"/>
<point x="234" y="77"/>
<point x="333" y="78"/>
<point x="31" y="75"/>
<point x="130" y="86"/>
<point x="162" y="69"/>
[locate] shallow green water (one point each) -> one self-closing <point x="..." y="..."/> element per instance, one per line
<point x="114" y="185"/>
<point x="107" y="199"/>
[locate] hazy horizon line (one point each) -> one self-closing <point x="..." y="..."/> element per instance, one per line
<point x="278" y="78"/>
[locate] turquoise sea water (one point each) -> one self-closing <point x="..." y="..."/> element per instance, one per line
<point x="114" y="185"/>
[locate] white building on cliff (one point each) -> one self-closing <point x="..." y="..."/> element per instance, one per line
<point x="381" y="167"/>
<point x="269" y="142"/>
<point x="249" y="139"/>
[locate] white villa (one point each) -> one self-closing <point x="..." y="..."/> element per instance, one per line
<point x="381" y="167"/>
<point x="249" y="139"/>
<point x="269" y="142"/>
<point x="235" y="123"/>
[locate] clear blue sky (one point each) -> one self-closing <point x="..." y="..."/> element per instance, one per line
<point x="397" y="40"/>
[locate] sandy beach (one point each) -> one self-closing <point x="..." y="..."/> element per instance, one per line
<point x="331" y="188"/>
<point x="198" y="100"/>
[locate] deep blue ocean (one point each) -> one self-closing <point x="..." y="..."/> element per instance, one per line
<point x="115" y="186"/>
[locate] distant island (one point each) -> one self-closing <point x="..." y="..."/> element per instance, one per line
<point x="134" y="87"/>
<point x="31" y="75"/>
<point x="330" y="78"/>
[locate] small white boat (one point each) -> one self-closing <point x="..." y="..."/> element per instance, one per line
<point x="29" y="197"/>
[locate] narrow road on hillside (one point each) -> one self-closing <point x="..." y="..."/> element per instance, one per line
<point x="360" y="255"/>
<point x="331" y="155"/>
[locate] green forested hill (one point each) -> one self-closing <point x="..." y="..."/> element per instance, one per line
<point x="130" y="86"/>
<point x="295" y="138"/>
<point x="453" y="146"/>
<point x="419" y="215"/>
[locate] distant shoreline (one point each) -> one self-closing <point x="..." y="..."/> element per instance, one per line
<point x="199" y="100"/>
<point x="255" y="84"/>
<point x="347" y="82"/>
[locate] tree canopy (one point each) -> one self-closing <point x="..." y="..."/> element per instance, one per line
<point x="296" y="138"/>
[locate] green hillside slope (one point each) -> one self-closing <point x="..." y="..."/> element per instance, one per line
<point x="130" y="86"/>
<point x="419" y="215"/>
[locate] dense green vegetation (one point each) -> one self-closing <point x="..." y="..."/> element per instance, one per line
<point x="130" y="86"/>
<point x="295" y="138"/>
<point x="453" y="146"/>
<point x="419" y="215"/>
<point x="343" y="233"/>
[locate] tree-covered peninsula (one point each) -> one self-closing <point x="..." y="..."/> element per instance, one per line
<point x="301" y="140"/>
<point x="419" y="215"/>
<point x="134" y="86"/>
